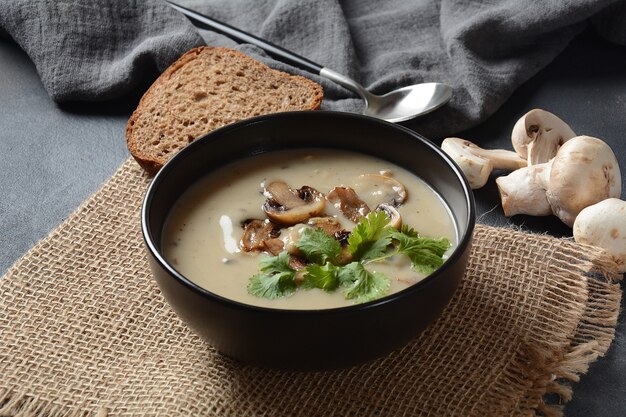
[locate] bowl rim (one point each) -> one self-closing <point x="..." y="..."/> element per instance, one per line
<point x="465" y="236"/>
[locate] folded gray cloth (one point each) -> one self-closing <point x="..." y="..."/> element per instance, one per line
<point x="484" y="49"/>
<point x="97" y="50"/>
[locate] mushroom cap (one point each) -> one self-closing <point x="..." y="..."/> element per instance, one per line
<point x="348" y="202"/>
<point x="256" y="234"/>
<point x="538" y="134"/>
<point x="604" y="225"/>
<point x="522" y="192"/>
<point x="286" y="206"/>
<point x="395" y="219"/>
<point x="584" y="172"/>
<point x="330" y="225"/>
<point x="378" y="189"/>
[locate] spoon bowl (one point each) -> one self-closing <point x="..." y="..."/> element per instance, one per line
<point x="396" y="106"/>
<point x="408" y="102"/>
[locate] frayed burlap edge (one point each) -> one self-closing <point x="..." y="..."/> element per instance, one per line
<point x="548" y="373"/>
<point x="22" y="405"/>
<point x="553" y="371"/>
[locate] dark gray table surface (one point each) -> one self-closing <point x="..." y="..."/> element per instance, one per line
<point x="54" y="157"/>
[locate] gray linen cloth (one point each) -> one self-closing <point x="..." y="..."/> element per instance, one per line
<point x="87" y="50"/>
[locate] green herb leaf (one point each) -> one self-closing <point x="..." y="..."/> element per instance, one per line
<point x="370" y="237"/>
<point x="277" y="278"/>
<point x="276" y="264"/>
<point x="425" y="253"/>
<point x="409" y="231"/>
<point x="271" y="286"/>
<point x="324" y="277"/>
<point x="361" y="284"/>
<point x="318" y="247"/>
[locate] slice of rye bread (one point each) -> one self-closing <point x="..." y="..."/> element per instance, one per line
<point x="207" y="88"/>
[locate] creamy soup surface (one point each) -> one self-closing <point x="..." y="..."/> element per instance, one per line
<point x="202" y="234"/>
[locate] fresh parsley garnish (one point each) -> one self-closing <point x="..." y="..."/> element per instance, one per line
<point x="361" y="284"/>
<point x="409" y="231"/>
<point x="277" y="278"/>
<point x="324" y="277"/>
<point x="425" y="253"/>
<point x="370" y="237"/>
<point x="318" y="247"/>
<point x="371" y="241"/>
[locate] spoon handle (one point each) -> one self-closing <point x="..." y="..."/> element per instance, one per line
<point x="272" y="50"/>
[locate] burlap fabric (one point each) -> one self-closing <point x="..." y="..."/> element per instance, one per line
<point x="84" y="331"/>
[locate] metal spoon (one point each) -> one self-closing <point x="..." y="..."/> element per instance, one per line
<point x="396" y="106"/>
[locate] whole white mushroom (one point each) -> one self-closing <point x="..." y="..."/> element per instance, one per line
<point x="477" y="163"/>
<point x="604" y="225"/>
<point x="583" y="172"/>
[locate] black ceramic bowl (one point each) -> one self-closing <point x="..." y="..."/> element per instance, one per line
<point x="308" y="339"/>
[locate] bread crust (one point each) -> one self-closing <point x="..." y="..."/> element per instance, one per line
<point x="151" y="163"/>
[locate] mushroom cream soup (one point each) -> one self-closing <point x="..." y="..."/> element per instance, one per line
<point x="224" y="225"/>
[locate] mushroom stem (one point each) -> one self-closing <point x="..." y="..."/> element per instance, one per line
<point x="538" y="135"/>
<point x="477" y="163"/>
<point x="523" y="192"/>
